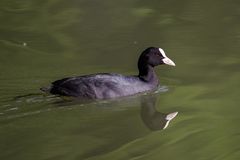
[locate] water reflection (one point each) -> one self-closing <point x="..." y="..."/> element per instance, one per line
<point x="153" y="119"/>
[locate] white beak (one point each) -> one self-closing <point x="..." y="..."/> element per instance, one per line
<point x="168" y="61"/>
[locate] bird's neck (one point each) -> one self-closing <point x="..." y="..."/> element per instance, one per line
<point x="147" y="74"/>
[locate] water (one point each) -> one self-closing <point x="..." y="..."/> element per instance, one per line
<point x="41" y="41"/>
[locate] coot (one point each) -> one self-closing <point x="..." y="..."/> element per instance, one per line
<point x="111" y="85"/>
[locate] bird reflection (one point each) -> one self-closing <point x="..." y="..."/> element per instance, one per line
<point x="153" y="119"/>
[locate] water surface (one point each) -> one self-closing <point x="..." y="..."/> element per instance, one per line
<point x="41" y="41"/>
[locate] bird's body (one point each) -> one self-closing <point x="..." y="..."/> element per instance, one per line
<point x="111" y="85"/>
<point x="101" y="86"/>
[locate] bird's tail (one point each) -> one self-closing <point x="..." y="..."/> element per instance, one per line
<point x="46" y="89"/>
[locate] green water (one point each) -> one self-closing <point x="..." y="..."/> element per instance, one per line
<point x="44" y="40"/>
